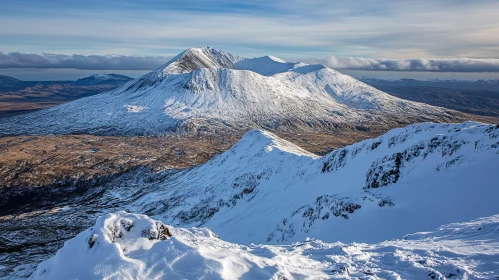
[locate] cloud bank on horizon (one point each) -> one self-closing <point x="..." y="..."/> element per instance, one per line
<point x="457" y="34"/>
<point x="416" y="64"/>
<point x="78" y="61"/>
<point x="18" y="60"/>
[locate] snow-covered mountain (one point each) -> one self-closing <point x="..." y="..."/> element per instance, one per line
<point x="206" y="89"/>
<point x="130" y="246"/>
<point x="102" y="79"/>
<point x="410" y="179"/>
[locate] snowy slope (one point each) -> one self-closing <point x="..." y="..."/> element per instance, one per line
<point x="215" y="89"/>
<point x="410" y="179"/>
<point x="266" y="190"/>
<point x="130" y="246"/>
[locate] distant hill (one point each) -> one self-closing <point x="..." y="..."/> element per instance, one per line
<point x="102" y="79"/>
<point x="17" y="96"/>
<point x="12" y="84"/>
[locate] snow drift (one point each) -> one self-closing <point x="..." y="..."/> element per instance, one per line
<point x="130" y="246"/>
<point x="208" y="89"/>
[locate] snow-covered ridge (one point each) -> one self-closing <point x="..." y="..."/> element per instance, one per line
<point x="428" y="174"/>
<point x="196" y="58"/>
<point x="219" y="89"/>
<point x="258" y="141"/>
<point x="131" y="246"/>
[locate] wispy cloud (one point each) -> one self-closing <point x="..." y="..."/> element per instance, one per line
<point x="77" y="61"/>
<point x="295" y="28"/>
<point x="418" y="64"/>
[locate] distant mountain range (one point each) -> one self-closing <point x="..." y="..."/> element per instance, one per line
<point x="479" y="97"/>
<point x="12" y="84"/>
<point x="208" y="90"/>
<point x="18" y="96"/>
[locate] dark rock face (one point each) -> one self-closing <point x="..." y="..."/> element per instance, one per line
<point x="325" y="207"/>
<point x="387" y="170"/>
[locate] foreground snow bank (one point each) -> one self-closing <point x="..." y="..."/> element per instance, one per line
<point x="131" y="246"/>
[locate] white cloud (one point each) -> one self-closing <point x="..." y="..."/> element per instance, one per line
<point x="123" y="62"/>
<point x="77" y="61"/>
<point x="418" y="64"/>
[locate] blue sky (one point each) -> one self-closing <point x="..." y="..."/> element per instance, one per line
<point x="293" y="30"/>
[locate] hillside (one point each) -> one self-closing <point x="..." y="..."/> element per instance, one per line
<point x="378" y="184"/>
<point x="408" y="180"/>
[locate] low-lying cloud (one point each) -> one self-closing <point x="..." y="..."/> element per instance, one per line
<point x="125" y="62"/>
<point x="77" y="61"/>
<point x="418" y="64"/>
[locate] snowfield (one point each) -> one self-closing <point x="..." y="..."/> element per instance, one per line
<point x="208" y="89"/>
<point x="132" y="246"/>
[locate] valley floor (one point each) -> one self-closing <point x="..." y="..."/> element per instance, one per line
<point x="29" y="161"/>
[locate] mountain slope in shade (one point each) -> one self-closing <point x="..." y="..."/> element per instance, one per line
<point x="207" y="89"/>
<point x="410" y="179"/>
<point x="130" y="246"/>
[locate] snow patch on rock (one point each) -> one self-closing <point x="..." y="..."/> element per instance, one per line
<point x="135" y="108"/>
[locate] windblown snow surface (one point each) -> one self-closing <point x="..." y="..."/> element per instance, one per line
<point x="205" y="87"/>
<point x="131" y="246"/>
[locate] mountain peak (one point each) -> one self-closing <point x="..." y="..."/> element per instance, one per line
<point x="211" y="85"/>
<point x="195" y="58"/>
<point x="276" y="59"/>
